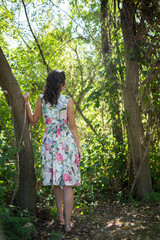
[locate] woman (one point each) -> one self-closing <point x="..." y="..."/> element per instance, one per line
<point x="60" y="150"/>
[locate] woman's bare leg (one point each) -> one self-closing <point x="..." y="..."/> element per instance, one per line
<point x="58" y="192"/>
<point x="68" y="206"/>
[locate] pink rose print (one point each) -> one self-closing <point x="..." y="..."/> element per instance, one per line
<point x="77" y="159"/>
<point x="48" y="120"/>
<point x="66" y="177"/>
<point x="47" y="169"/>
<point x="77" y="184"/>
<point x="48" y="147"/>
<point x="58" y="131"/>
<point x="59" y="157"/>
<point x="63" y="146"/>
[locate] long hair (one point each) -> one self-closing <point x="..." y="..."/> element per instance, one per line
<point x="54" y="82"/>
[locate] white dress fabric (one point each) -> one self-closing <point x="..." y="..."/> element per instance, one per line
<point x="59" y="154"/>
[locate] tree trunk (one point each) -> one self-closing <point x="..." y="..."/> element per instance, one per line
<point x="27" y="177"/>
<point x="110" y="69"/>
<point x="135" y="127"/>
<point x="2" y="237"/>
<point x="112" y="81"/>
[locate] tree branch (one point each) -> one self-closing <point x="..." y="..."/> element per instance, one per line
<point x="80" y="67"/>
<point x="86" y="120"/>
<point x="10" y="138"/>
<point x="83" y="91"/>
<point x="36" y="40"/>
<point x="19" y="33"/>
<point x="59" y="48"/>
<point x="85" y="30"/>
<point x="17" y="154"/>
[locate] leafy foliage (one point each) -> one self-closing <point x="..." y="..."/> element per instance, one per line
<point x="8" y="170"/>
<point x="16" y="223"/>
<point x="73" y="43"/>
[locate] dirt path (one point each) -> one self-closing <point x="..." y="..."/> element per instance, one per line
<point x="109" y="221"/>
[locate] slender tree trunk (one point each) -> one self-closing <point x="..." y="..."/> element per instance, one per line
<point x="110" y="73"/>
<point x="27" y="177"/>
<point x="113" y="83"/>
<point x="135" y="127"/>
<point x="2" y="237"/>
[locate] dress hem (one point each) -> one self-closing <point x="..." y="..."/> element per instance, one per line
<point x="71" y="185"/>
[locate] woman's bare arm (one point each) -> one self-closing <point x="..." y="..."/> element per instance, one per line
<point x="33" y="118"/>
<point x="72" y="124"/>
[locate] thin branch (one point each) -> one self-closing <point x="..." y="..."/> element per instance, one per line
<point x="36" y="40"/>
<point x="83" y="91"/>
<point x="119" y="6"/>
<point x="85" y="30"/>
<point x="80" y="67"/>
<point x="10" y="138"/>
<point x="90" y="125"/>
<point x="62" y="45"/>
<point x="17" y="180"/>
<point x="88" y="30"/>
<point x="17" y="158"/>
<point x="24" y="123"/>
<point x="86" y="120"/>
<point x="135" y="7"/>
<point x="19" y="33"/>
<point x="59" y="48"/>
<point x="114" y="16"/>
<point x="81" y="113"/>
<point x="3" y="99"/>
<point x="17" y="154"/>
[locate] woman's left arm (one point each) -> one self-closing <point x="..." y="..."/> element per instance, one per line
<point x="33" y="118"/>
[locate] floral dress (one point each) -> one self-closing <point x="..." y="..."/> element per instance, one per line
<point x="59" y="153"/>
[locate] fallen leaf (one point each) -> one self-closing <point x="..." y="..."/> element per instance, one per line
<point x="126" y="227"/>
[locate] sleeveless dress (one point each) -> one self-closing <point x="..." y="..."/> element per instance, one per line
<point x="59" y="153"/>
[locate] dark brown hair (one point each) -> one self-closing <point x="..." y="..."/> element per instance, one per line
<point x="54" y="82"/>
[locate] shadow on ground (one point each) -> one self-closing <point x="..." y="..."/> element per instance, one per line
<point x="108" y="221"/>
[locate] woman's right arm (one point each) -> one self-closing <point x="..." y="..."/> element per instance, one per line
<point x="72" y="125"/>
<point x="33" y="118"/>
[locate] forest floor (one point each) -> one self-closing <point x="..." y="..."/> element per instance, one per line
<point x="107" y="221"/>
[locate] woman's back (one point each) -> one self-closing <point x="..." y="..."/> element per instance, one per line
<point x="55" y="115"/>
<point x="60" y="159"/>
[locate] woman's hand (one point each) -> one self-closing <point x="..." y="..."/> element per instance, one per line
<point x="26" y="97"/>
<point x="33" y="118"/>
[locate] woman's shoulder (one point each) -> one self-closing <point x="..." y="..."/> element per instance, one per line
<point x="64" y="97"/>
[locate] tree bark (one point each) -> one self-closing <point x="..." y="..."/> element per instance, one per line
<point x="2" y="237"/>
<point x="27" y="177"/>
<point x="110" y="69"/>
<point x="135" y="127"/>
<point x="112" y="81"/>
